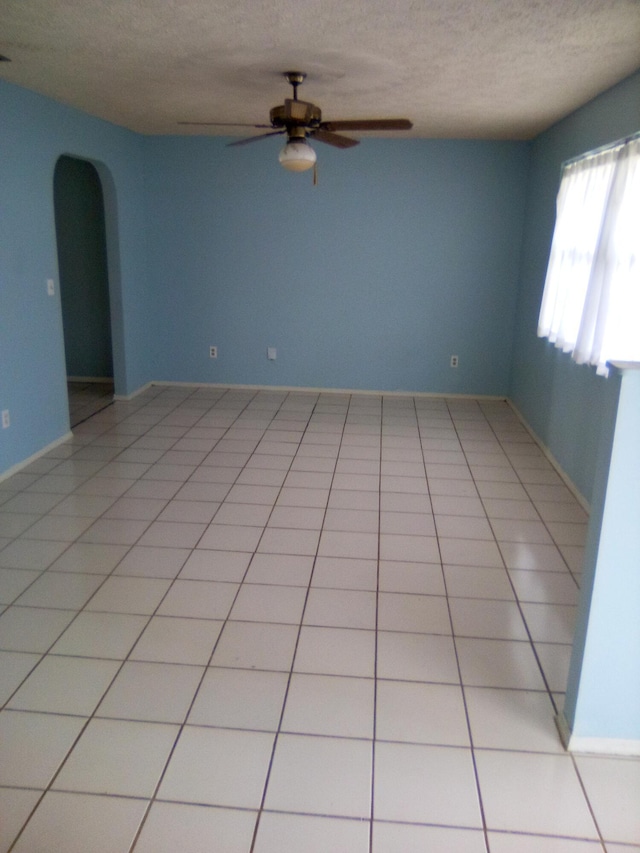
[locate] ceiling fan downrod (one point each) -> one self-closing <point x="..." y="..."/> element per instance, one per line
<point x="295" y="78"/>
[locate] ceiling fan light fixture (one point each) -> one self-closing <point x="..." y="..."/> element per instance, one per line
<point x="297" y="156"/>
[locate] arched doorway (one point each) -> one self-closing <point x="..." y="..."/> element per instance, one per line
<point x="84" y="286"/>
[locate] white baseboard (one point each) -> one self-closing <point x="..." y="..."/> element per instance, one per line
<point x="296" y="388"/>
<point x="303" y="389"/>
<point x="15" y="469"/>
<point x="596" y="745"/>
<point x="124" y="398"/>
<point x="575" y="491"/>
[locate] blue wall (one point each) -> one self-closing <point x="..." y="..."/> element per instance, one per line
<point x="603" y="689"/>
<point x="559" y="399"/>
<point x="405" y="253"/>
<point x="34" y="132"/>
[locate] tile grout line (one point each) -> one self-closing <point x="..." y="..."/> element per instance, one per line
<point x="472" y="749"/>
<point x="508" y="575"/>
<point x="92" y="716"/>
<point x="87" y="720"/>
<point x="517" y="597"/>
<point x="548" y="690"/>
<point x="182" y="726"/>
<point x="372" y="808"/>
<point x="240" y="585"/>
<point x="261" y="808"/>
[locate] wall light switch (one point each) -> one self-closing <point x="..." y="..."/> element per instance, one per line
<point x="6" y="420"/>
<point x="51" y="287"/>
<point x="272" y="353"/>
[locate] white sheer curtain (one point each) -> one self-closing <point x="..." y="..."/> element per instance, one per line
<point x="591" y="300"/>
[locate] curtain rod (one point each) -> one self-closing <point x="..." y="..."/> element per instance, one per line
<point x="610" y="146"/>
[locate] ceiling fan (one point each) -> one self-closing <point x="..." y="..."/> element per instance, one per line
<point x="302" y="120"/>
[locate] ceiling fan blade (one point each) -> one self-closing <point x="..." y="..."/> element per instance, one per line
<point x="255" y="138"/>
<point x="222" y="124"/>
<point x="368" y="124"/>
<point x="333" y="138"/>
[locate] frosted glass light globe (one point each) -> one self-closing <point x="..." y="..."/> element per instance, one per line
<point x="297" y="156"/>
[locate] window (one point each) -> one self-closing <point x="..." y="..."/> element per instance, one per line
<point x="591" y="300"/>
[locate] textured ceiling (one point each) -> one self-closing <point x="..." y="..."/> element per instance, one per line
<point x="491" y="69"/>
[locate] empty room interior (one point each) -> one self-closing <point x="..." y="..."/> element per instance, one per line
<point x="311" y="540"/>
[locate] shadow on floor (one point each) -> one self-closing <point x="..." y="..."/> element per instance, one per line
<point x="87" y="398"/>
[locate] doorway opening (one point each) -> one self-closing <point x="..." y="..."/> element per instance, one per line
<point x="84" y="286"/>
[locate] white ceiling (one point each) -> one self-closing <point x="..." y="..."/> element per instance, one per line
<point x="492" y="69"/>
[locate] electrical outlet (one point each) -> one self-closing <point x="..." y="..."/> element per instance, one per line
<point x="6" y="420"/>
<point x="454" y="361"/>
<point x="272" y="353"/>
<point x="51" y="287"/>
<point x="213" y="352"/>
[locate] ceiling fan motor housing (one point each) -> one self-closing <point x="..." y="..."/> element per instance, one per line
<point x="295" y="113"/>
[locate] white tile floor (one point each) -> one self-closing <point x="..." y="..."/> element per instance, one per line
<point x="295" y="623"/>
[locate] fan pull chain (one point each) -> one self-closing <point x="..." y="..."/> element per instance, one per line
<point x="315" y="174"/>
